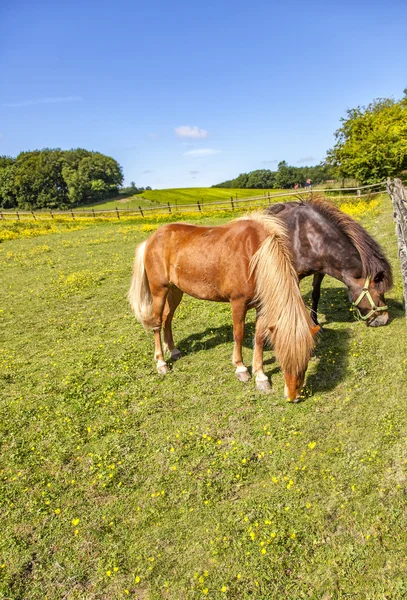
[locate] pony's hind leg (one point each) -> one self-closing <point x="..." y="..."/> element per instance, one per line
<point x="159" y="297"/>
<point x="239" y="310"/>
<point x="173" y="299"/>
<point x="262" y="381"/>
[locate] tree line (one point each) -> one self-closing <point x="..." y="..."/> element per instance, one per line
<point x="371" y="144"/>
<point x="54" y="178"/>
<point x="286" y="176"/>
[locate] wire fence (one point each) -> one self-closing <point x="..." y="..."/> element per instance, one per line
<point x="231" y="203"/>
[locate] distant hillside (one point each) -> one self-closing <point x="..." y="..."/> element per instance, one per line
<point x="176" y="196"/>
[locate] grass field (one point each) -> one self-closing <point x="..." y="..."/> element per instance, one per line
<point x="120" y="483"/>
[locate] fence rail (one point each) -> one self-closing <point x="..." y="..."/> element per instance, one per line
<point x="198" y="206"/>
<point x="398" y="194"/>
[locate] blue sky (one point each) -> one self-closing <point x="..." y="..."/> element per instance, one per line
<point x="192" y="93"/>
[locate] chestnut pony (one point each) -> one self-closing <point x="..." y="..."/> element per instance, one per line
<point x="246" y="262"/>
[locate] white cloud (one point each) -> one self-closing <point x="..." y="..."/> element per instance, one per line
<point x="191" y="132"/>
<point x="269" y="162"/>
<point x="201" y="153"/>
<point x="305" y="159"/>
<point x="57" y="100"/>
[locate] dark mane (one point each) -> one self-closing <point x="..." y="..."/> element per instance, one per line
<point x="371" y="254"/>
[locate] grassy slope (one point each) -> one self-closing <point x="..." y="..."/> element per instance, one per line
<point x="175" y="196"/>
<point x="117" y="483"/>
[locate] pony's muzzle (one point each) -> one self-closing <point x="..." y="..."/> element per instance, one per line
<point x="379" y="321"/>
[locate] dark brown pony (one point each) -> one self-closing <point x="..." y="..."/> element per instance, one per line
<point x="248" y="263"/>
<point x="326" y="241"/>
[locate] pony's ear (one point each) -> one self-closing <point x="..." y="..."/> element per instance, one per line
<point x="379" y="277"/>
<point x="315" y="329"/>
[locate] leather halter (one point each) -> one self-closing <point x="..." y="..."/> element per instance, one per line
<point x="374" y="308"/>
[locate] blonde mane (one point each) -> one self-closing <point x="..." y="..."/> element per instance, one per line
<point x="283" y="313"/>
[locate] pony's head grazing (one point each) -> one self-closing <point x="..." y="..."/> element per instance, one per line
<point x="376" y="275"/>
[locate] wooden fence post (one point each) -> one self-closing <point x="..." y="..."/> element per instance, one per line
<point x="199" y="206"/>
<point x="50" y="212"/>
<point x="169" y="207"/>
<point x="117" y="213"/>
<point x="1" y="215"/>
<point x="142" y="214"/>
<point x="35" y="218"/>
<point x="73" y="216"/>
<point x="398" y="195"/>
<point x="18" y="216"/>
<point x="93" y="213"/>
<point x="269" y="198"/>
<point x="231" y="201"/>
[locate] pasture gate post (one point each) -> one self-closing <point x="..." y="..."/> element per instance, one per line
<point x="142" y="214"/>
<point x="231" y="201"/>
<point x="117" y="213"/>
<point x="398" y="195"/>
<point x="169" y="207"/>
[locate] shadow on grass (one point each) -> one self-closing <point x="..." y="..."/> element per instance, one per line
<point x="213" y="337"/>
<point x="334" y="304"/>
<point x="396" y="309"/>
<point x="332" y="351"/>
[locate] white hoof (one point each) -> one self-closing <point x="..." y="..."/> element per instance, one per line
<point x="242" y="374"/>
<point x="162" y="367"/>
<point x="263" y="386"/>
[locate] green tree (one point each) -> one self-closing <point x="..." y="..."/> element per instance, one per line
<point x="38" y="179"/>
<point x="7" y="187"/>
<point x="371" y="144"/>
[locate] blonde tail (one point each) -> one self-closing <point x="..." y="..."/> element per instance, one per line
<point x="286" y="320"/>
<point x="139" y="294"/>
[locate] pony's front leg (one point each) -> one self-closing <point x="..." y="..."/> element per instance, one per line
<point x="173" y="299"/>
<point x="262" y="381"/>
<point x="159" y="297"/>
<point x="239" y="310"/>
<point x="316" y="294"/>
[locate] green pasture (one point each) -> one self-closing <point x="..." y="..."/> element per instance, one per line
<point x="116" y="482"/>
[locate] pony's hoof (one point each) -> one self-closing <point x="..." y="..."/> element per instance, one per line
<point x="162" y="369"/>
<point x="243" y="376"/>
<point x="264" y="386"/>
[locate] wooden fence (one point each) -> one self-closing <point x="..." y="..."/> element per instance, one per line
<point x="398" y="194"/>
<point x="231" y="203"/>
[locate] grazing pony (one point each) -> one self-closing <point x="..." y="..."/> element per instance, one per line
<point x="246" y="262"/>
<point x="326" y="241"/>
